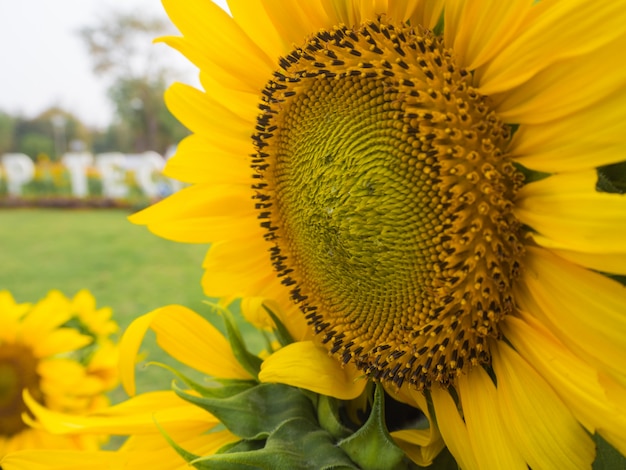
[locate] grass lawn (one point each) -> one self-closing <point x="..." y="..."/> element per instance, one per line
<point x="126" y="267"/>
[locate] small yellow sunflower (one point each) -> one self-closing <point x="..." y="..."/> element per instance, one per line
<point x="148" y="417"/>
<point x="417" y="181"/>
<point x="43" y="358"/>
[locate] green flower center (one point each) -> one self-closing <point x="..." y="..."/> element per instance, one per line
<point x="17" y="373"/>
<point x="386" y="193"/>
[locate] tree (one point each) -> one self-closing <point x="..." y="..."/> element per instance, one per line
<point x="122" y="52"/>
<point x="53" y="132"/>
<point x="7" y="127"/>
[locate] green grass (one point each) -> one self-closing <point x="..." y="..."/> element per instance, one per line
<point x="125" y="266"/>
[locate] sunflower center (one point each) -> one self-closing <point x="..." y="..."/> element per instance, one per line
<point x="17" y="372"/>
<point x="386" y="194"/>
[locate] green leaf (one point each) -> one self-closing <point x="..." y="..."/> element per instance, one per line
<point x="371" y="447"/>
<point x="607" y="458"/>
<point x="616" y="277"/>
<point x="328" y="416"/>
<point x="281" y="332"/>
<point x="242" y="446"/>
<point x="439" y="27"/>
<point x="612" y="178"/>
<point x="297" y="444"/>
<point x="224" y="388"/>
<point x="530" y="176"/>
<point x="188" y="456"/>
<point x="255" y="412"/>
<point x="249" y="361"/>
<point x="217" y="388"/>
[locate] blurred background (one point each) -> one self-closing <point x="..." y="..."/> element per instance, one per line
<point x="83" y="77"/>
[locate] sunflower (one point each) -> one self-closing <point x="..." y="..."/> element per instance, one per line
<point x="419" y="182"/>
<point x="55" y="365"/>
<point x="145" y="417"/>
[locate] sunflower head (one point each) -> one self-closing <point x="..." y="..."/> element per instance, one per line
<point x="44" y="357"/>
<point x="384" y="186"/>
<point x="18" y="372"/>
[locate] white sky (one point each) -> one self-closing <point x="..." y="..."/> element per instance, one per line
<point x="43" y="61"/>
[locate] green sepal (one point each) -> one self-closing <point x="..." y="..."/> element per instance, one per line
<point x="224" y="388"/>
<point x="244" y="445"/>
<point x="607" y="457"/>
<point x="329" y="419"/>
<point x="612" y="178"/>
<point x="255" y="412"/>
<point x="216" y="387"/>
<point x="530" y="176"/>
<point x="250" y="362"/>
<point x="439" y="27"/>
<point x="444" y="461"/>
<point x="372" y="447"/>
<point x="188" y="456"/>
<point x="297" y="444"/>
<point x="280" y="331"/>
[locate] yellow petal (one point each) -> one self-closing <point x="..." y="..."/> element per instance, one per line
<point x="192" y="340"/>
<point x="137" y="415"/>
<point x="104" y="364"/>
<point x="242" y="103"/>
<point x="276" y="297"/>
<point x="581" y="141"/>
<point x="583" y="309"/>
<point x="12" y="313"/>
<point x="543" y="428"/>
<point x="196" y="54"/>
<point x="604" y="262"/>
<point x="202" y="115"/>
<point x="185" y="336"/>
<point x="228" y="272"/>
<point x="83" y="301"/>
<point x="566" y="88"/>
<point x="129" y="347"/>
<point x="421" y="445"/>
<point x="63" y="460"/>
<point x="61" y="376"/>
<point x="60" y="341"/>
<point x="492" y="446"/>
<point x="221" y="39"/>
<point x="567" y="209"/>
<point x="198" y="160"/>
<point x="561" y="30"/>
<point x="574" y="380"/>
<point x="453" y="429"/>
<point x="478" y="30"/>
<point x="254" y="20"/>
<point x="295" y="21"/>
<point x="202" y="214"/>
<point x="156" y="454"/>
<point x="254" y="312"/>
<point x="415" y="11"/>
<point x="409" y="440"/>
<point x="305" y="365"/>
<point x="427" y="12"/>
<point x="46" y="315"/>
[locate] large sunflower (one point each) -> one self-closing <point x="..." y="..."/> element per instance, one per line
<point x="44" y="355"/>
<point x="417" y="181"/>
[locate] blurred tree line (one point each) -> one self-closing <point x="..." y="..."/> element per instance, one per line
<point x="120" y="46"/>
